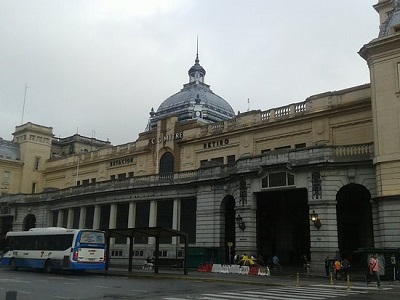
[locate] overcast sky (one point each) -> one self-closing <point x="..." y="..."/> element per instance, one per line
<point x="98" y="67"/>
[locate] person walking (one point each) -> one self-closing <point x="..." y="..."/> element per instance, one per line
<point x="338" y="267"/>
<point x="276" y="264"/>
<point x="374" y="271"/>
<point x="327" y="265"/>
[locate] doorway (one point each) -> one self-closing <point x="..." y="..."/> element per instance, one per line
<point x="354" y="220"/>
<point x="283" y="227"/>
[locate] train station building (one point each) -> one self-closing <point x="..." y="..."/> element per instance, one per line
<point x="318" y="178"/>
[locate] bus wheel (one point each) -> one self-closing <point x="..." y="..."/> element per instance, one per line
<point x="48" y="267"/>
<point x="13" y="265"/>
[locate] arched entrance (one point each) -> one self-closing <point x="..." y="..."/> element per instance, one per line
<point x="354" y="219"/>
<point x="29" y="222"/>
<point x="283" y="226"/>
<point x="228" y="206"/>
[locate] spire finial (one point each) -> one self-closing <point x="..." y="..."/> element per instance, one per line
<point x="197" y="50"/>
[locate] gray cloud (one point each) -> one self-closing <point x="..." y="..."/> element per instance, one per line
<point x="98" y="67"/>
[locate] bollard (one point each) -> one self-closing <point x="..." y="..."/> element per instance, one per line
<point x="348" y="282"/>
<point x="11" y="295"/>
<point x="331" y="275"/>
<point x="297" y="279"/>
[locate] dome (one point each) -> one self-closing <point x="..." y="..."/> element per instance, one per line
<point x="195" y="101"/>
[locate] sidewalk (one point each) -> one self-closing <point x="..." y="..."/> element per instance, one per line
<point x="289" y="276"/>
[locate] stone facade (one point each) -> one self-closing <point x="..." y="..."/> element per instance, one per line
<point x="251" y="182"/>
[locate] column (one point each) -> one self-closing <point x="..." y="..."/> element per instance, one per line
<point x="70" y="218"/>
<point x="96" y="217"/>
<point x="131" y="217"/>
<point x="82" y="217"/>
<point x="152" y="219"/>
<point x="176" y="220"/>
<point x="112" y="223"/>
<point x="60" y="218"/>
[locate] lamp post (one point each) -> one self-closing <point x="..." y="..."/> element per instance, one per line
<point x="240" y="222"/>
<point x="314" y="218"/>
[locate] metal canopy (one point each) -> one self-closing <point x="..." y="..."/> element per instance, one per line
<point x="155" y="232"/>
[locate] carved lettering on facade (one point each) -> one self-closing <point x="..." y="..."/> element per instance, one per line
<point x="217" y="143"/>
<point x="166" y="138"/>
<point x="122" y="161"/>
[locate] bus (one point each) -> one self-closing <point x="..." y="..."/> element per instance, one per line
<point x="55" y="248"/>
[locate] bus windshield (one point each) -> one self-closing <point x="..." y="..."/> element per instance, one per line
<point x="92" y="237"/>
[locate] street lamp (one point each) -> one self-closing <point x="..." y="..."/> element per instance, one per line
<point x="314" y="218"/>
<point x="240" y="223"/>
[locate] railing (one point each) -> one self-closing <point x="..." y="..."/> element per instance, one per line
<point x="353" y="150"/>
<point x="295" y="157"/>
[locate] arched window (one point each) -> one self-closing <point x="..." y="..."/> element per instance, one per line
<point x="167" y="163"/>
<point x="29" y="222"/>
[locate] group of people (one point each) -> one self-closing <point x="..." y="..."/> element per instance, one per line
<point x="337" y="267"/>
<point x="244" y="260"/>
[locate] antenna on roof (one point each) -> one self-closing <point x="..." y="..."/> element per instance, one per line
<point x="23" y="106"/>
<point x="248" y="104"/>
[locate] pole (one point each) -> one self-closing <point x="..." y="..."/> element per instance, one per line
<point x="77" y="172"/>
<point x="297" y="279"/>
<point x="331" y="275"/>
<point x="23" y="106"/>
<point x="348" y="283"/>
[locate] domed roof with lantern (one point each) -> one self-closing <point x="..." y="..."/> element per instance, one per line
<point x="194" y="101"/>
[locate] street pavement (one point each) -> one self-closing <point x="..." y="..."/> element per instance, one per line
<point x="289" y="277"/>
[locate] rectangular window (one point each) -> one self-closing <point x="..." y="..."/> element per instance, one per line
<point x="265" y="151"/>
<point x="231" y="159"/>
<point x="283" y="147"/>
<point x="116" y="253"/>
<point x="203" y="162"/>
<point x="34" y="186"/>
<point x="85" y="182"/>
<point x="277" y="179"/>
<point x="112" y="177"/>
<point x="93" y="180"/>
<point x="219" y="161"/>
<point x="37" y="161"/>
<point x="6" y="178"/>
<point x="121" y="176"/>
<point x="302" y="145"/>
<point x="130" y="174"/>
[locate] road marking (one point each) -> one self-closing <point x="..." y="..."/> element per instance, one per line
<point x="312" y="292"/>
<point x="142" y="291"/>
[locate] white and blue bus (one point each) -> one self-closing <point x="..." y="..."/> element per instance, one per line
<point x="56" y="248"/>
